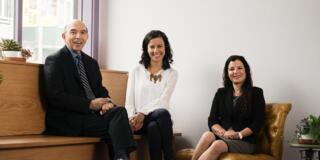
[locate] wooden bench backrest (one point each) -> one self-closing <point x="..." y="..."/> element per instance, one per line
<point x="116" y="83"/>
<point x="21" y="111"/>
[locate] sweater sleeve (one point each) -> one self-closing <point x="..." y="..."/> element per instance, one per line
<point x="130" y="94"/>
<point x="258" y="107"/>
<point x="214" y="113"/>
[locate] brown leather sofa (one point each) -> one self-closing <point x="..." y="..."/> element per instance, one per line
<point x="270" y="138"/>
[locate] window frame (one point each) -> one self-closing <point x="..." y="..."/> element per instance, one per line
<point x="88" y="14"/>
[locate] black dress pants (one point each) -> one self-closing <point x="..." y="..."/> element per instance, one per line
<point x="113" y="128"/>
<point x="157" y="126"/>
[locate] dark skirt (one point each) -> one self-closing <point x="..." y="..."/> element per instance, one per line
<point x="238" y="146"/>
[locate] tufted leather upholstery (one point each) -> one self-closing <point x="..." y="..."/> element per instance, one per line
<point x="270" y="137"/>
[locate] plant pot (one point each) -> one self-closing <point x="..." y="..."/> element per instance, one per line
<point x="306" y="136"/>
<point x="13" y="56"/>
<point x="306" y="139"/>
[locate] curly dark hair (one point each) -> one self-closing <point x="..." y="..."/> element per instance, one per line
<point x="145" y="59"/>
<point x="247" y="85"/>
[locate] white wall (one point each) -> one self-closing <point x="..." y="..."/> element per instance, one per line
<point x="279" y="38"/>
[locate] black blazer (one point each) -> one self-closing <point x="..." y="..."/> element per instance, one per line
<point x="67" y="104"/>
<point x="223" y="112"/>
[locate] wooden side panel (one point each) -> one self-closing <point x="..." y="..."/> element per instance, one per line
<point x="21" y="112"/>
<point x="116" y="83"/>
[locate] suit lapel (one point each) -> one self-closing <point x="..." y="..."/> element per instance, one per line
<point x="70" y="63"/>
<point x="228" y="102"/>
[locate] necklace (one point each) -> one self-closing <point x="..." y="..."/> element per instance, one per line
<point x="155" y="78"/>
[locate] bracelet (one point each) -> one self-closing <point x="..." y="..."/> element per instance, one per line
<point x="240" y="135"/>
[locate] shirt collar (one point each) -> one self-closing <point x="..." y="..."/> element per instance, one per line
<point x="73" y="53"/>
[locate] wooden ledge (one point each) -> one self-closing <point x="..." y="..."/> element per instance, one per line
<point x="7" y="142"/>
<point x="10" y="142"/>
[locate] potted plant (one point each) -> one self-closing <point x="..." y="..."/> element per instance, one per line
<point x="314" y="124"/>
<point x="11" y="50"/>
<point x="308" y="130"/>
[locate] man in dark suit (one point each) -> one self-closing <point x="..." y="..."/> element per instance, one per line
<point x="77" y="103"/>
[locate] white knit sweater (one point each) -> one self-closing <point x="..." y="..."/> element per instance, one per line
<point x="144" y="95"/>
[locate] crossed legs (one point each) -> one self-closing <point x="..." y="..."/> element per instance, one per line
<point x="208" y="148"/>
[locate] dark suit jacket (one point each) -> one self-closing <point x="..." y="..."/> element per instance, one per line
<point x="67" y="104"/>
<point x="223" y="112"/>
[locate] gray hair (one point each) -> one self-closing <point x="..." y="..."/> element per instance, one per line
<point x="74" y="21"/>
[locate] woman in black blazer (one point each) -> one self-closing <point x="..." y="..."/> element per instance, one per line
<point x="237" y="114"/>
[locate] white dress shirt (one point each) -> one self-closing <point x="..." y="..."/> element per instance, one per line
<point x="144" y="95"/>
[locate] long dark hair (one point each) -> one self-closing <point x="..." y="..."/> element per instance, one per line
<point x="245" y="98"/>
<point x="145" y="59"/>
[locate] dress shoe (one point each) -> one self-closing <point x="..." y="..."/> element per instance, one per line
<point x="121" y="155"/>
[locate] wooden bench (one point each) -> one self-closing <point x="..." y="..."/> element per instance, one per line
<point x="22" y="118"/>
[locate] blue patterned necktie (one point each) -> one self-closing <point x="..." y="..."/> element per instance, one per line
<point x="84" y="79"/>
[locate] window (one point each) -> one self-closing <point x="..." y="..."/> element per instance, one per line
<point x="6" y="19"/>
<point x="42" y="24"/>
<point x="38" y="24"/>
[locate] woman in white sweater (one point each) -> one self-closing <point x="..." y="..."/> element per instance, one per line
<point x="150" y="87"/>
